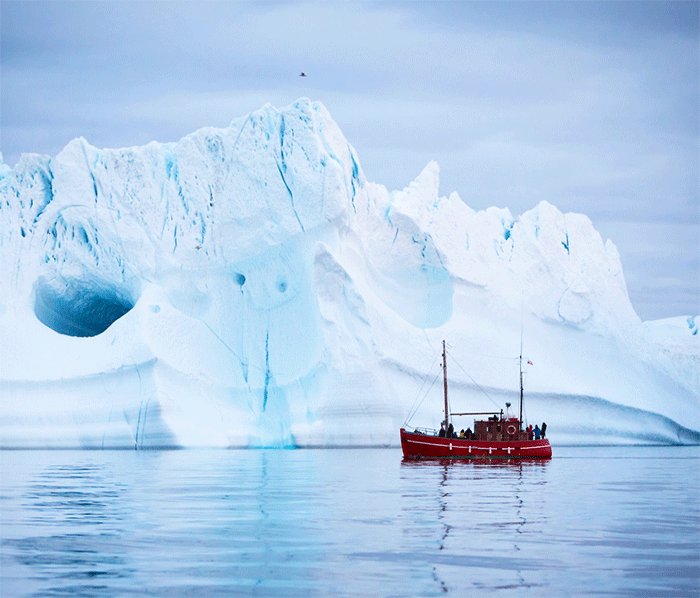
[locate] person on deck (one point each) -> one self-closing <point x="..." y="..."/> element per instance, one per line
<point x="537" y="432"/>
<point x="441" y="434"/>
<point x="530" y="434"/>
<point x="450" y="431"/>
<point x="544" y="429"/>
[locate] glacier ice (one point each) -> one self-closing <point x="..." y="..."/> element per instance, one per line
<point x="248" y="286"/>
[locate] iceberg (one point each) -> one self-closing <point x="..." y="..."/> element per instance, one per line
<point x="248" y="287"/>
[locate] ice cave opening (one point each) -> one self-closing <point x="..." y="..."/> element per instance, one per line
<point x="76" y="307"/>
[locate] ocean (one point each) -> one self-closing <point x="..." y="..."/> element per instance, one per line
<point x="592" y="521"/>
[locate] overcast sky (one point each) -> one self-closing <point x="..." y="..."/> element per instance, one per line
<point x="592" y="106"/>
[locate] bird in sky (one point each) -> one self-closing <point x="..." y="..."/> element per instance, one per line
<point x="303" y="74"/>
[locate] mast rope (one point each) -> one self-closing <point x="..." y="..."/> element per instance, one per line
<point x="449" y="346"/>
<point x="412" y="411"/>
<point x="489" y="356"/>
<point x="474" y="381"/>
<point x="427" y="392"/>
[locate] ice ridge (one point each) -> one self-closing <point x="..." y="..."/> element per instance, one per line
<point x="247" y="286"/>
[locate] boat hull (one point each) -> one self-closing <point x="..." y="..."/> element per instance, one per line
<point x="423" y="446"/>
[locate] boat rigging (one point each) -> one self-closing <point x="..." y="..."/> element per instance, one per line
<point x="498" y="436"/>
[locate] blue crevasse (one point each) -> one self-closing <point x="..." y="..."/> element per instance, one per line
<point x="182" y="273"/>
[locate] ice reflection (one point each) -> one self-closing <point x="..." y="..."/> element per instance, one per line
<point x="81" y="508"/>
<point x="347" y="523"/>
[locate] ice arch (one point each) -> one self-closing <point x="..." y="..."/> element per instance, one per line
<point x="77" y="307"/>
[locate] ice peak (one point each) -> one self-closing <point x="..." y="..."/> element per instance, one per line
<point x="428" y="180"/>
<point x="5" y="170"/>
<point x="421" y="195"/>
<point x="246" y="286"/>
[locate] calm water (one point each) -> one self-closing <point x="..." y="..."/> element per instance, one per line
<point x="590" y="522"/>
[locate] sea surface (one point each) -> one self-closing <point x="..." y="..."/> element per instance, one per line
<point x="604" y="521"/>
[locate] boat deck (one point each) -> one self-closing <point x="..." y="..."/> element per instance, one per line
<point x="417" y="445"/>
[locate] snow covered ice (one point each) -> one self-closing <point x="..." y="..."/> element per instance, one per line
<point x="248" y="286"/>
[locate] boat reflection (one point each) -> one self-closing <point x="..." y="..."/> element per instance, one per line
<point x="495" y="462"/>
<point x="478" y="515"/>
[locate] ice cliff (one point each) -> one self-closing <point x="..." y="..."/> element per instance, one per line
<point x="248" y="286"/>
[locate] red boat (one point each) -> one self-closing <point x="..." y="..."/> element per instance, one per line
<point x="498" y="436"/>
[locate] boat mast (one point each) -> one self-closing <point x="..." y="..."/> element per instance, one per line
<point x="521" y="390"/>
<point x="521" y="374"/>
<point x="444" y="375"/>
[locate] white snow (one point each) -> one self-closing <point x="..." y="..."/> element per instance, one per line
<point x="248" y="287"/>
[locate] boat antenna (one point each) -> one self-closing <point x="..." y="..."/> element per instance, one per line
<point x="444" y="373"/>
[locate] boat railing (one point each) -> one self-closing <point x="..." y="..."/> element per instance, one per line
<point x="426" y="431"/>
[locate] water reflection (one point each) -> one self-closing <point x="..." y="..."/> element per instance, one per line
<point x="482" y="507"/>
<point x="80" y="508"/>
<point x="347" y="522"/>
<point x="443" y="498"/>
<point x="493" y="462"/>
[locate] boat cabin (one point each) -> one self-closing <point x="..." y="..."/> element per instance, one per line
<point x="499" y="429"/>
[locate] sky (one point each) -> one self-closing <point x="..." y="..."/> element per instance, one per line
<point x="591" y="106"/>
